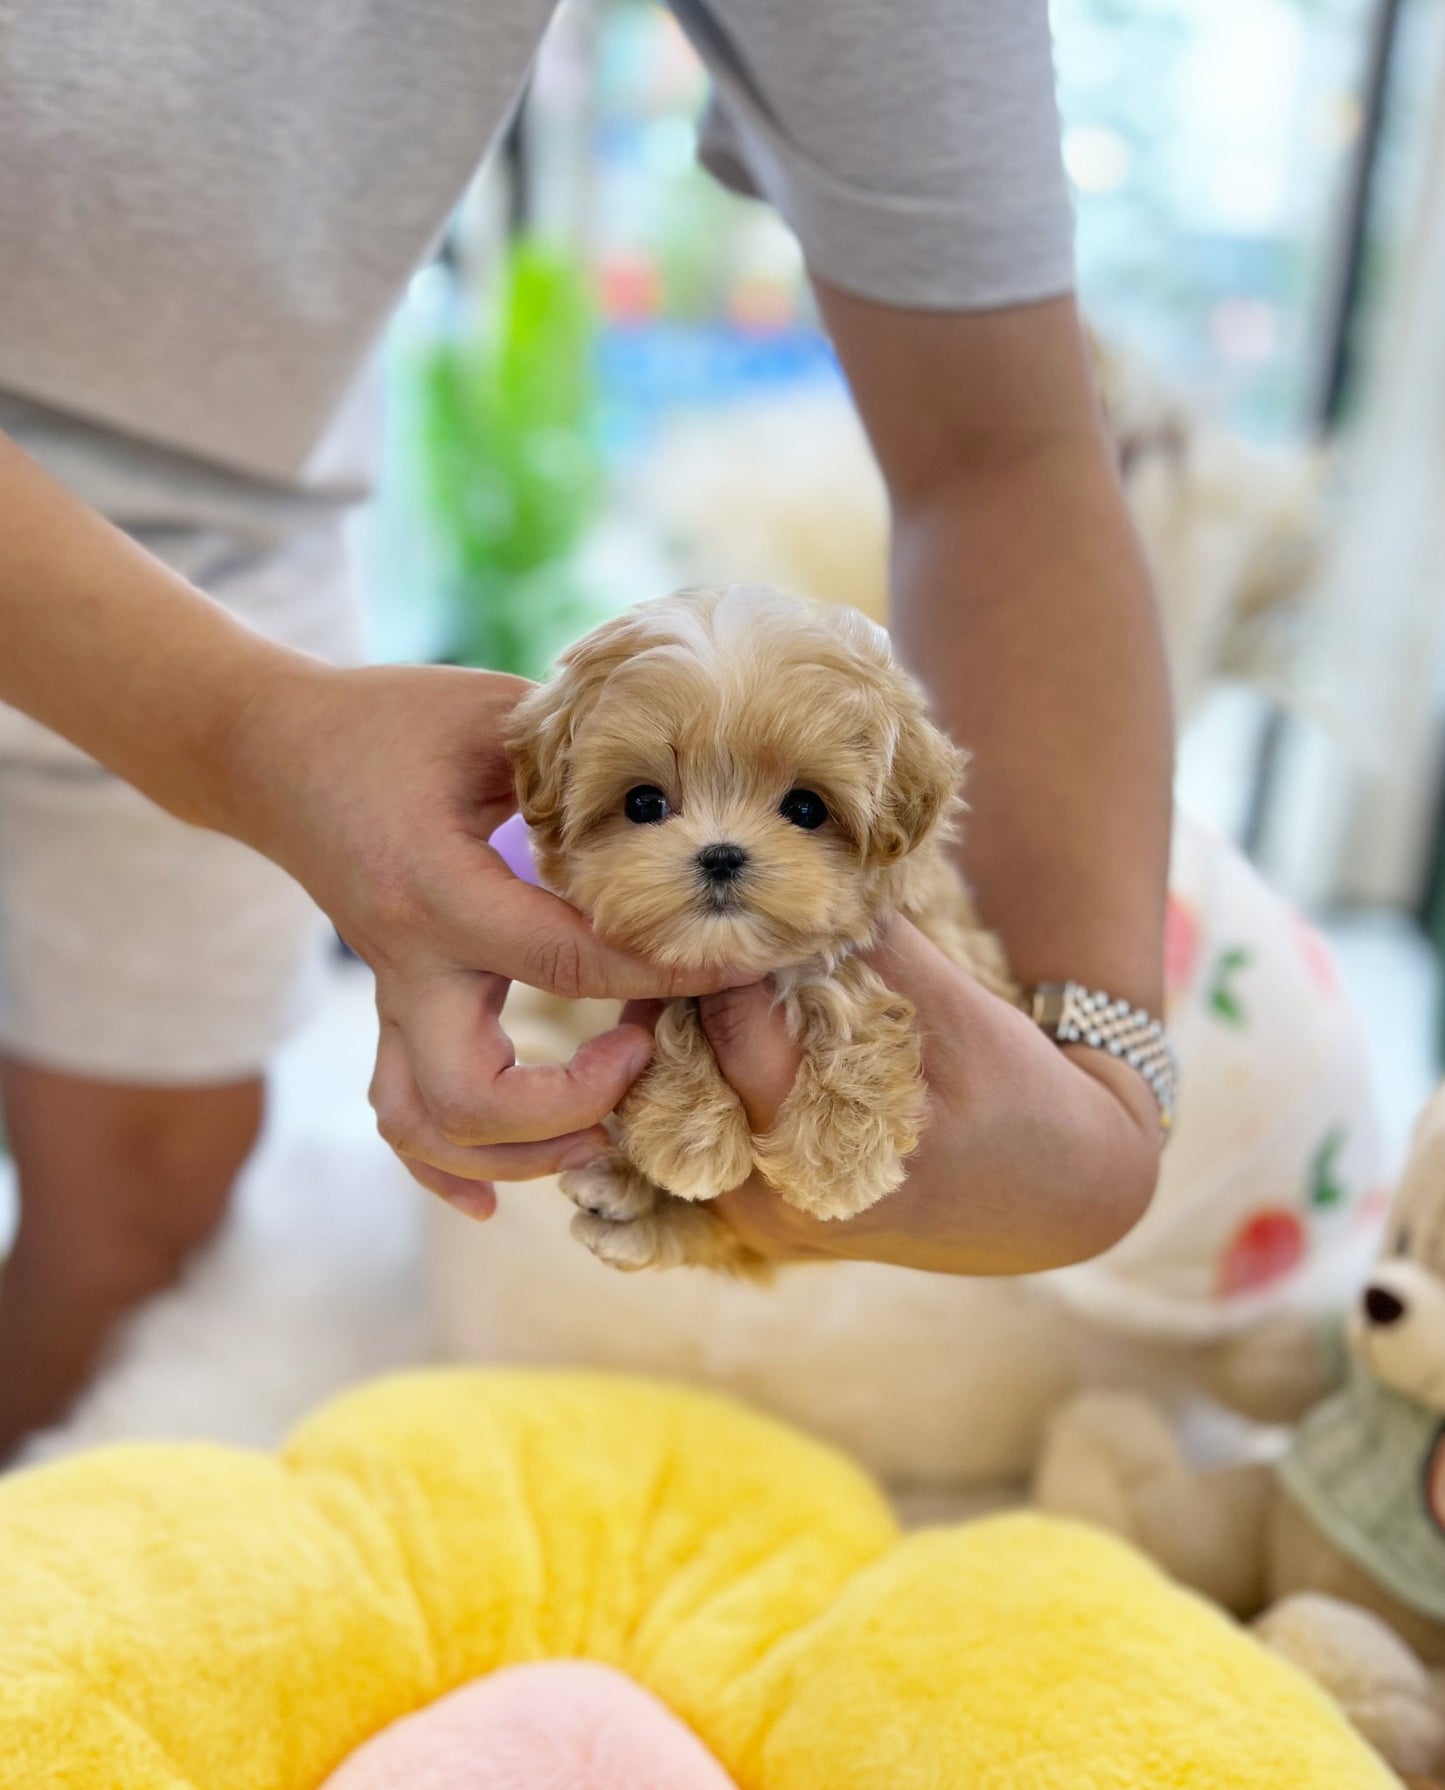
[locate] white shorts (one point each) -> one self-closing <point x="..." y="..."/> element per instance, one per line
<point x="134" y="948"/>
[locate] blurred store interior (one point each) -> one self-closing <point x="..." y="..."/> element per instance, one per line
<point x="610" y="381"/>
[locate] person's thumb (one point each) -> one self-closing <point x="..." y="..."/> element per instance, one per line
<point x="529" y="935"/>
<point x="749" y="1038"/>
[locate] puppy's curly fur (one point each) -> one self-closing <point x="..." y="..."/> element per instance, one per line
<point x="737" y="778"/>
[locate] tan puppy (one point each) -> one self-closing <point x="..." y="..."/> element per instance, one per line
<point x="738" y="778"/>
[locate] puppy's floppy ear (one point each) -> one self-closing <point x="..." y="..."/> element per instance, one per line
<point x="539" y="735"/>
<point x="920" y="790"/>
<point x="542" y="726"/>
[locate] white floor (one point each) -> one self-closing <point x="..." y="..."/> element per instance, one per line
<point x="319" y="1281"/>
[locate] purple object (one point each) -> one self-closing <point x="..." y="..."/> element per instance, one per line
<point x="510" y="842"/>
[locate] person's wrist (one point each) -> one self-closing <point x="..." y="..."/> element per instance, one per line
<point x="259" y="754"/>
<point x="1130" y="1092"/>
<point x="1119" y="1148"/>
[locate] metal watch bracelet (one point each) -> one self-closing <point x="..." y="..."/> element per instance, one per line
<point x="1071" y="1014"/>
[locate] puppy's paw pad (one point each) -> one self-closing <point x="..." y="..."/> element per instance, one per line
<point x="609" y="1188"/>
<point x="627" y="1247"/>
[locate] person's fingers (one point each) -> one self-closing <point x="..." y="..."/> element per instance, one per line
<point x="750" y="1041"/>
<point x="475" y="1090"/>
<point x="955" y="1012"/>
<point x="500" y="1162"/>
<point x="909" y="963"/>
<point x="642" y="1013"/>
<point x="749" y="1038"/>
<point x="529" y="935"/>
<point x="476" y="1199"/>
<point x="404" y="1122"/>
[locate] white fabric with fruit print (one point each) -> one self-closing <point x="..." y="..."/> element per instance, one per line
<point x="1270" y="1193"/>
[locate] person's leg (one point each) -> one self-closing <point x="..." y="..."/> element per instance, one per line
<point x="148" y="971"/>
<point x="118" y="1185"/>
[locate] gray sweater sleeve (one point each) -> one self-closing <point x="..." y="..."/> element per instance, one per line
<point x="911" y="145"/>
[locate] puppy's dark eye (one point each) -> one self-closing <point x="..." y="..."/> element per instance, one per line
<point x="1402" y="1242"/>
<point x="646" y="805"/>
<point x="803" y="809"/>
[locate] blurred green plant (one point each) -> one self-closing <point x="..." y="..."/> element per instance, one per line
<point x="509" y="474"/>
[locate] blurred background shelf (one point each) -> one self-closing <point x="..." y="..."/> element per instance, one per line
<point x="1253" y="182"/>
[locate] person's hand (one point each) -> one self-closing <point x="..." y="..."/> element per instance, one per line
<point x="378" y="790"/>
<point x="1033" y="1156"/>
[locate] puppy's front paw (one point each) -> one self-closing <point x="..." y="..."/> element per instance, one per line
<point x="855" y="1111"/>
<point x="682" y="1124"/>
<point x="709" y="1154"/>
<point x="627" y="1246"/>
<point x="610" y="1188"/>
<point x="677" y="1234"/>
<point x="834" y="1192"/>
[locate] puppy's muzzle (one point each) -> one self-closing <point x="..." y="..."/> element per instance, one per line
<point x="721" y="863"/>
<point x="720" y="866"/>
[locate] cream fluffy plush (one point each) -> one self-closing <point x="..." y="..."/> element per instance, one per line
<point x="937" y="1384"/>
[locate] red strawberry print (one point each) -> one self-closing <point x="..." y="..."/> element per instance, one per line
<point x="1266" y="1248"/>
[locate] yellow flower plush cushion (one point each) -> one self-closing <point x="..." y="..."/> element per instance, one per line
<point x="199" y="1618"/>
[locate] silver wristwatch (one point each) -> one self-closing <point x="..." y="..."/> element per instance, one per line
<point x="1071" y="1014"/>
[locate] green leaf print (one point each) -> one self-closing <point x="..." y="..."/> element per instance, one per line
<point x="1325" y="1187"/>
<point x="1224" y="1000"/>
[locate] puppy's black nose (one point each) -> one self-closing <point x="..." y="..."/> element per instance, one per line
<point x="1382" y="1307"/>
<point x="721" y="863"/>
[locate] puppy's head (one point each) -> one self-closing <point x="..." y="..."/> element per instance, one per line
<point x="731" y="777"/>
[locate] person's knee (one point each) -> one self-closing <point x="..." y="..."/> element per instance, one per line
<point x="120" y="1186"/>
<point x="174" y="1172"/>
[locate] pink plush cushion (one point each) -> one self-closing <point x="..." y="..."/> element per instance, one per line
<point x="560" y="1725"/>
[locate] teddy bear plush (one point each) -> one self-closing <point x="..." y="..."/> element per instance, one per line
<point x="1336" y="1550"/>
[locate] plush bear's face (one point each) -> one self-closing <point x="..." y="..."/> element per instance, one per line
<point x="1399" y="1323"/>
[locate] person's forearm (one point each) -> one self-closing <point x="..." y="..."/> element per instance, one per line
<point x="1021" y="599"/>
<point x="377" y="788"/>
<point x="104" y="644"/>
